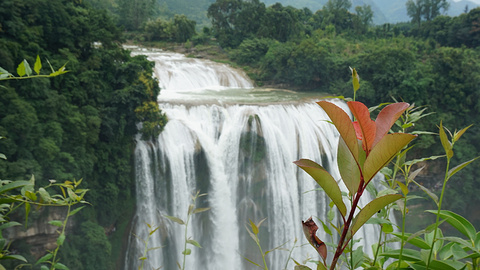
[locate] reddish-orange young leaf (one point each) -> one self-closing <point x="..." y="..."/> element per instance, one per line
<point x="310" y="230"/>
<point x="367" y="125"/>
<point x="344" y="125"/>
<point x="387" y="117"/>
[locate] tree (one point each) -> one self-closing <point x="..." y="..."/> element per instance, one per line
<point x="364" y="18"/>
<point x="427" y="10"/>
<point x="134" y="13"/>
<point x="184" y="28"/>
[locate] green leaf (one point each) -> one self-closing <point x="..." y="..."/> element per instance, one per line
<point x="21" y="69"/>
<point x="38" y="65"/>
<point x="61" y="239"/>
<point x="60" y="71"/>
<point x="321" y="266"/>
<point x="9" y="224"/>
<point x="4" y="74"/>
<point x="72" y="195"/>
<point x="408" y="254"/>
<point x="187" y="251"/>
<point x="44" y="258"/>
<point x="44" y="267"/>
<point x="254" y="227"/>
<point x="14" y="257"/>
<point x="27" y="211"/>
<point x="60" y="266"/>
<point x="416" y="241"/>
<point x="355" y="79"/>
<point x="57" y="223"/>
<point x="371" y="208"/>
<point x="175" y="219"/>
<point x="31" y="195"/>
<point x="427" y="191"/>
<point x="383" y="152"/>
<point x="2" y="156"/>
<point x="193" y="242"/>
<point x="348" y="167"/>
<point x="44" y="195"/>
<point x="459" y="167"/>
<point x="326" y="181"/>
<point x="13" y="185"/>
<point x="190" y="208"/>
<point x="301" y="267"/>
<point x="458" y="222"/>
<point x="75" y="211"/>
<point x="459" y="134"/>
<point x="447" y="145"/>
<point x="199" y="210"/>
<point x="458" y="252"/>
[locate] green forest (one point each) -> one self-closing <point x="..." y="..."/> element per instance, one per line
<point x="82" y="124"/>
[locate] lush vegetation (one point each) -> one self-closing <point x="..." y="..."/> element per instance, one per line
<point x="78" y="125"/>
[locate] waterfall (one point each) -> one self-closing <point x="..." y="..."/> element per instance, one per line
<point x="240" y="154"/>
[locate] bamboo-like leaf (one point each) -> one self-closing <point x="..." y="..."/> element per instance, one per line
<point x="344" y="125"/>
<point x="383" y="152"/>
<point x="459" y="167"/>
<point x="61" y="239"/>
<point x="14" y="257"/>
<point x="348" y="167"/>
<point x="355" y="79"/>
<point x="371" y="208"/>
<point x="44" y="258"/>
<point x="193" y="242"/>
<point x="57" y="223"/>
<point x="254" y="227"/>
<point x="387" y="117"/>
<point x="190" y="208"/>
<point x="326" y="181"/>
<point x="60" y="266"/>
<point x="75" y="211"/>
<point x="38" y="65"/>
<point x="416" y="241"/>
<point x="407" y="254"/>
<point x="459" y="134"/>
<point x="447" y="145"/>
<point x="175" y="219"/>
<point x="13" y="185"/>
<point x="367" y="125"/>
<point x="428" y="192"/>
<point x="200" y="210"/>
<point x="458" y="222"/>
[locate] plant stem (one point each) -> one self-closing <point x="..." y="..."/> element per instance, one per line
<point x="52" y="267"/>
<point x="403" y="231"/>
<point x="346" y="227"/>
<point x="438" y="212"/>
<point x="378" y="248"/>
<point x="185" y="243"/>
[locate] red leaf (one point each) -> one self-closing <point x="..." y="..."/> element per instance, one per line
<point x="367" y="125"/>
<point x="344" y="125"/>
<point x="387" y="117"/>
<point x="310" y="230"/>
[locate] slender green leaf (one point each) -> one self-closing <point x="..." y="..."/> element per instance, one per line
<point x="408" y="254"/>
<point x="75" y="211"/>
<point x="193" y="242"/>
<point x="2" y="156"/>
<point x="190" y="208"/>
<point x="459" y="134"/>
<point x="416" y="241"/>
<point x="200" y="210"/>
<point x="60" y="266"/>
<point x="44" y="267"/>
<point x="61" y="239"/>
<point x="250" y="261"/>
<point x="44" y="258"/>
<point x="175" y="219"/>
<point x="458" y="252"/>
<point x="38" y="65"/>
<point x="13" y="185"/>
<point x="355" y="79"/>
<point x="447" y="145"/>
<point x="326" y="181"/>
<point x="254" y="227"/>
<point x="14" y="257"/>
<point x="459" y="167"/>
<point x="371" y="208"/>
<point x="383" y="152"/>
<point x="427" y="191"/>
<point x="458" y="222"/>
<point x="301" y="267"/>
<point x="9" y="224"/>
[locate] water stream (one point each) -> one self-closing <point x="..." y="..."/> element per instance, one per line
<point x="236" y="143"/>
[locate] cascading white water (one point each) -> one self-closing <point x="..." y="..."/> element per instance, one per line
<point x="240" y="155"/>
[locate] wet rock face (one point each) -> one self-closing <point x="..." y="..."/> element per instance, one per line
<point x="40" y="236"/>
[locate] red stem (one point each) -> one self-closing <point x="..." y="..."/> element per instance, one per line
<point x="341" y="247"/>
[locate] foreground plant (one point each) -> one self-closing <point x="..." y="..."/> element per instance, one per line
<point x="364" y="148"/>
